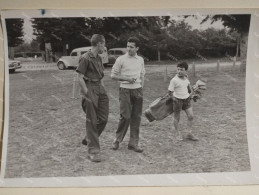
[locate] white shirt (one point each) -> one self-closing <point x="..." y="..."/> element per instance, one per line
<point x="180" y="87"/>
<point x="129" y="66"/>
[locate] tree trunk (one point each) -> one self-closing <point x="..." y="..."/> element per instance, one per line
<point x="237" y="50"/>
<point x="43" y="56"/>
<point x="48" y="52"/>
<point x="243" y="50"/>
<point x="64" y="49"/>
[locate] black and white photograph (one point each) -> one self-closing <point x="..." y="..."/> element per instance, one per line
<point x="126" y="95"/>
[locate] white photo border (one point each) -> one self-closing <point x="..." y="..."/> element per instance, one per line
<point x="224" y="178"/>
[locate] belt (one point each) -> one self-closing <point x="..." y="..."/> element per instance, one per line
<point x="93" y="82"/>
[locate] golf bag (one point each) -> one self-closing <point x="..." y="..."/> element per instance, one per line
<point x="163" y="106"/>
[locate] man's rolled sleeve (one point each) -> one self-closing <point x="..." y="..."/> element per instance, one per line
<point x="82" y="67"/>
<point x="116" y="68"/>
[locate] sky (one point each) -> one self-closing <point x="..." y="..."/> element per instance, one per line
<point x="193" y="22"/>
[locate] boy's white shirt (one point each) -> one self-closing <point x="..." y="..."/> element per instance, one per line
<point x="179" y="87"/>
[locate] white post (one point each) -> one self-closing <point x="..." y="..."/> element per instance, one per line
<point x="218" y="66"/>
<point x="78" y="86"/>
<point x="165" y="74"/>
<point x="193" y="69"/>
<point x="74" y="87"/>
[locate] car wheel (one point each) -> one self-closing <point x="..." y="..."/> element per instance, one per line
<point x="12" y="71"/>
<point x="61" y="66"/>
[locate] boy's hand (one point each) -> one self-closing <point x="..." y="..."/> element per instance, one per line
<point x="170" y="93"/>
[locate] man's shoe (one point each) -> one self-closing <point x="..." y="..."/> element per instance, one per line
<point x="94" y="158"/>
<point x="84" y="142"/>
<point x="115" y="145"/>
<point x="135" y="149"/>
<point x="191" y="137"/>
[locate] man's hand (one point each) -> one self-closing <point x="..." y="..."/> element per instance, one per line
<point x="131" y="80"/>
<point x="123" y="78"/>
<point x="85" y="92"/>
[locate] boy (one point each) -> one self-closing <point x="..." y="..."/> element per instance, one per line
<point x="180" y="90"/>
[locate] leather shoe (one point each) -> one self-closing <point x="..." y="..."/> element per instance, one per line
<point x="191" y="137"/>
<point x="115" y="145"/>
<point x="84" y="142"/>
<point x="135" y="149"/>
<point x="94" y="158"/>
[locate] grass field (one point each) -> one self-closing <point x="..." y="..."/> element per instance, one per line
<point x="47" y="126"/>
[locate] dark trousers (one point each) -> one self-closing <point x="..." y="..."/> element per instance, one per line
<point x="131" y="101"/>
<point x="96" y="107"/>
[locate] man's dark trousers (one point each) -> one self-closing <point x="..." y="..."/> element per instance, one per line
<point x="96" y="107"/>
<point x="131" y="101"/>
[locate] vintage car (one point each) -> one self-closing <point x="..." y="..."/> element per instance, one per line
<point x="13" y="65"/>
<point x="114" y="53"/>
<point x="72" y="60"/>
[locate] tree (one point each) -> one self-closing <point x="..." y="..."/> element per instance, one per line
<point x="116" y="30"/>
<point x="183" y="43"/>
<point x="14" y="28"/>
<point x="60" y="32"/>
<point x="239" y="23"/>
<point x="152" y="32"/>
<point x="27" y="49"/>
<point x="217" y="42"/>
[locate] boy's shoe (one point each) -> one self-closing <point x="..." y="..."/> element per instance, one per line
<point x="84" y="142"/>
<point x="191" y="137"/>
<point x="179" y="138"/>
<point x="115" y="145"/>
<point x="94" y="157"/>
<point x="135" y="149"/>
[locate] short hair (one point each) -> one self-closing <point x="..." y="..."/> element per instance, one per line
<point x="183" y="65"/>
<point x="134" y="40"/>
<point x="96" y="38"/>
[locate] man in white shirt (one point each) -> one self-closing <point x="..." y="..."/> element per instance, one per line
<point x="129" y="70"/>
<point x="180" y="91"/>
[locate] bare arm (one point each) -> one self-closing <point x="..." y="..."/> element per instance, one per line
<point x="102" y="83"/>
<point x="190" y="88"/>
<point x="82" y="83"/>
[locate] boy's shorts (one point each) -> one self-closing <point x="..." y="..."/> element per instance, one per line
<point x="181" y="104"/>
